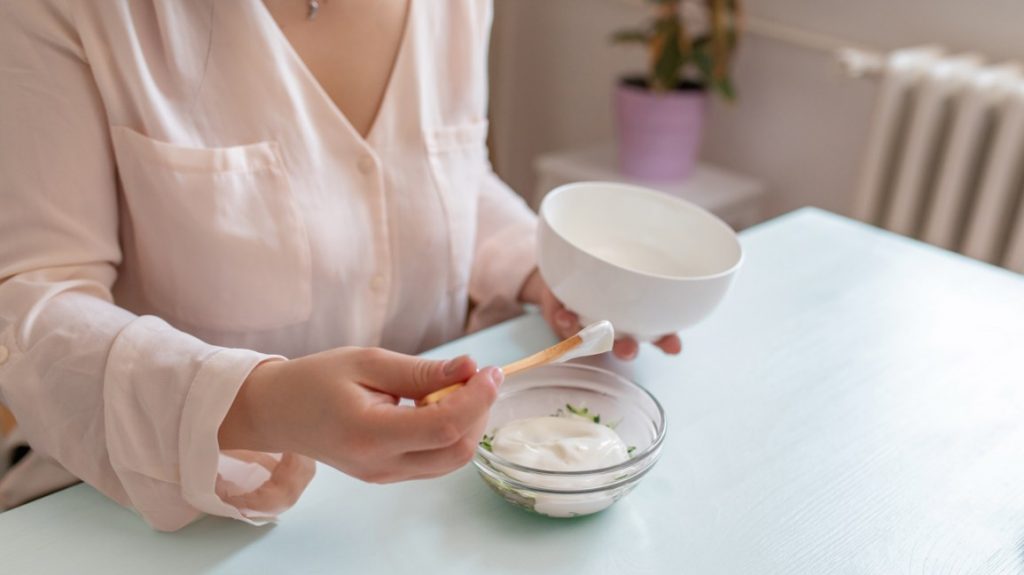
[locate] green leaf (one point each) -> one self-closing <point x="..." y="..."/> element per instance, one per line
<point x="583" y="412"/>
<point x="725" y="88"/>
<point x="673" y="55"/>
<point x="702" y="58"/>
<point x="486" y="442"/>
<point x="580" y="411"/>
<point x="667" y="67"/>
<point x="669" y="59"/>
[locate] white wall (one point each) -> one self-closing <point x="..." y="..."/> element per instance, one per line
<point x="799" y="125"/>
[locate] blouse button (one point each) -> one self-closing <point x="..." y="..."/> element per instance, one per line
<point x="4" y="354"/>
<point x="377" y="282"/>
<point x="365" y="164"/>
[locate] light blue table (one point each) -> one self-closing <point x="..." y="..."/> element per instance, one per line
<point x="855" y="406"/>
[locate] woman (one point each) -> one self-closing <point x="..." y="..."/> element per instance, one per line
<point x="194" y="190"/>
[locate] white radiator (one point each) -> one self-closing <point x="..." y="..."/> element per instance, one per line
<point x="945" y="155"/>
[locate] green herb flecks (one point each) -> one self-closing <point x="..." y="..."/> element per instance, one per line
<point x="486" y="442"/>
<point x="630" y="450"/>
<point x="583" y="412"/>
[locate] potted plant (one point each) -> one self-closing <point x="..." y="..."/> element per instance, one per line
<point x="660" y="114"/>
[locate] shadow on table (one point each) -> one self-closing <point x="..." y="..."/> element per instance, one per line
<point x="484" y="531"/>
<point x="214" y="540"/>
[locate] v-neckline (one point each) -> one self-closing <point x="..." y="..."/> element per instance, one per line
<point x="310" y="78"/>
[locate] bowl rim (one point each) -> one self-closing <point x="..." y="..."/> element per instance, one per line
<point x="514" y="483"/>
<point x="651" y="449"/>
<point x="661" y="196"/>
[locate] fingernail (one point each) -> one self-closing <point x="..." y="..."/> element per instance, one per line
<point x="626" y="355"/>
<point x="563" y="319"/>
<point x="496" y="376"/>
<point x="451" y="367"/>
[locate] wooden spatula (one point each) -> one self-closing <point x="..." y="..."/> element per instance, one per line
<point x="596" y="338"/>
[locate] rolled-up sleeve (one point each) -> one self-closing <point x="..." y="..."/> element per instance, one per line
<point x="127" y="403"/>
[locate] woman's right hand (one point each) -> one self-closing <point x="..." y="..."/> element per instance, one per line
<point x="341" y="407"/>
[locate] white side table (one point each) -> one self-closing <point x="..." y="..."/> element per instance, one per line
<point x="737" y="199"/>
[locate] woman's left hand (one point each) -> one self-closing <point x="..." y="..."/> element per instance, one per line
<point x="565" y="323"/>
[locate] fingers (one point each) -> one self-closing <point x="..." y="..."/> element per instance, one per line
<point x="403" y="375"/>
<point x="445" y="423"/>
<point x="566" y="323"/>
<point x="288" y="479"/>
<point x="435" y="462"/>
<point x="562" y="321"/>
<point x="625" y="348"/>
<point x="670" y="344"/>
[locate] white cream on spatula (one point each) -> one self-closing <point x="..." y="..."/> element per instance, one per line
<point x="596" y="338"/>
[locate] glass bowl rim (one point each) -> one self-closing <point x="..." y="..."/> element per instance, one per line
<point x="631" y="462"/>
<point x="514" y="483"/>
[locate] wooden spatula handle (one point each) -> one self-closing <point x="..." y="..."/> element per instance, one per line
<point x="544" y="356"/>
<point x="7" y="422"/>
<point x="537" y="359"/>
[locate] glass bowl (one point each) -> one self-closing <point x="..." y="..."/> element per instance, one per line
<point x="629" y="409"/>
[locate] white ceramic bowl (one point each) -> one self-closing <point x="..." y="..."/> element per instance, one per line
<point x="648" y="262"/>
<point x="635" y="414"/>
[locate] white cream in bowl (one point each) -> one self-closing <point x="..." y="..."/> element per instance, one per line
<point x="561" y="443"/>
<point x="553" y="443"/>
<point x="610" y="436"/>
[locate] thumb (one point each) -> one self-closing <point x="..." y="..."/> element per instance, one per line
<point x="403" y="375"/>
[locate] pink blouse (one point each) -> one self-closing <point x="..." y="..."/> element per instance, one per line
<point x="180" y="198"/>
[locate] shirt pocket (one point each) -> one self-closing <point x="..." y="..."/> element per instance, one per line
<point x="218" y="239"/>
<point x="458" y="162"/>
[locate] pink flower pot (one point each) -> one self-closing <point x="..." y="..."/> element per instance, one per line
<point x="659" y="132"/>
